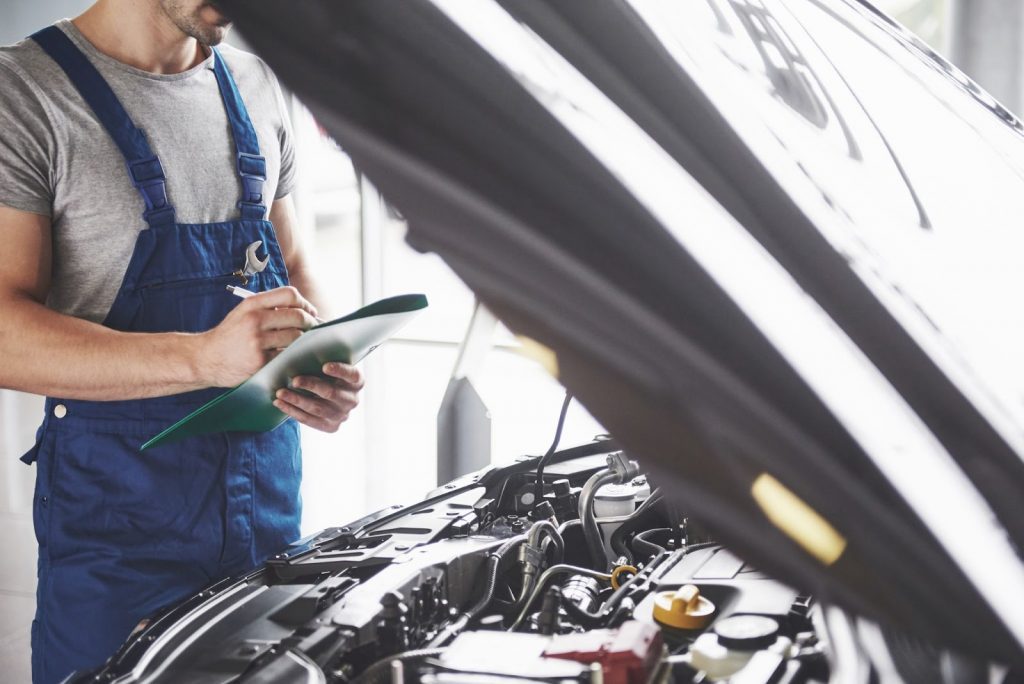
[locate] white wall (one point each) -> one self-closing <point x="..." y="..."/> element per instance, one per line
<point x="19" y="18"/>
<point x="19" y="416"/>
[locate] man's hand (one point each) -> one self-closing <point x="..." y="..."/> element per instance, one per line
<point x="329" y="400"/>
<point x="251" y="334"/>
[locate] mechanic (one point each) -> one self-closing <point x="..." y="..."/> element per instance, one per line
<point x="137" y="163"/>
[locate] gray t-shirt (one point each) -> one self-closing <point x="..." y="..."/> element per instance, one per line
<point x="56" y="159"/>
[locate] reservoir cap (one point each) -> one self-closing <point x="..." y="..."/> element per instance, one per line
<point x="747" y="632"/>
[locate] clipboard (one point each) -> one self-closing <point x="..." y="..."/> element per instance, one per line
<point x="249" y="406"/>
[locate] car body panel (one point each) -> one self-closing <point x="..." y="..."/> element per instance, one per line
<point x="708" y="288"/>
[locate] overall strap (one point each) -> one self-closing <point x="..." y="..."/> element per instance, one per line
<point x="144" y="168"/>
<point x="251" y="165"/>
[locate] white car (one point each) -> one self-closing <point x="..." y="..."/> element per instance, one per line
<point x="775" y="247"/>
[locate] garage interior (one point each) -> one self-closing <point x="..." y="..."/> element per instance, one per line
<point x="359" y="242"/>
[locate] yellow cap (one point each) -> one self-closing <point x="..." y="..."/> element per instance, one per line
<point x="684" y="608"/>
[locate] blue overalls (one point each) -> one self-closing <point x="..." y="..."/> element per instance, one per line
<point x="122" y="533"/>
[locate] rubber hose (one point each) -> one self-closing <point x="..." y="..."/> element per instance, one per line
<point x="630" y="524"/>
<point x="563" y="528"/>
<point x="547" y="528"/>
<point x="642" y="544"/>
<point x="538" y="531"/>
<point x="591" y="532"/>
<point x="619" y="545"/>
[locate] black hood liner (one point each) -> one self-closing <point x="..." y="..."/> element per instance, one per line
<point x="555" y="246"/>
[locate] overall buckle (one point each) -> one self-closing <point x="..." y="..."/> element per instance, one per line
<point x="148" y="178"/>
<point x="252" y="169"/>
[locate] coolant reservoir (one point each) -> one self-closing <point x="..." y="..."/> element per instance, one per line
<point x="617" y="500"/>
<point x="733" y="641"/>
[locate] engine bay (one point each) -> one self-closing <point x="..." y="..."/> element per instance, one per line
<point x="584" y="574"/>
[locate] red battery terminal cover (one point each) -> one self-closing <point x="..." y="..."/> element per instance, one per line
<point x="627" y="654"/>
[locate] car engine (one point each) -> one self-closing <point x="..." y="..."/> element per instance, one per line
<point x="576" y="570"/>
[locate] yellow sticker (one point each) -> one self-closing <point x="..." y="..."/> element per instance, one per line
<point x="546" y="357"/>
<point x="799" y="521"/>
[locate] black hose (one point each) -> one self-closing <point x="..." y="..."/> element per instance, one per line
<point x="636" y="520"/>
<point x="380" y="671"/>
<point x="591" y="532"/>
<point x="643" y="545"/>
<point x="541" y="532"/>
<point x="618" y="545"/>
<point x="551" y="534"/>
<point x="567" y="524"/>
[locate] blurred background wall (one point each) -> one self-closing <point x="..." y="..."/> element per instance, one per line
<point x="387" y="452"/>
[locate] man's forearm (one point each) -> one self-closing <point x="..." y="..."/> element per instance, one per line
<point x="45" y="352"/>
<point x="301" y="278"/>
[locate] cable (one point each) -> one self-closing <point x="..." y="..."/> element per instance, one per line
<point x="538" y="490"/>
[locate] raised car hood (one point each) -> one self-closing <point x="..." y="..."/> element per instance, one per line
<point x="740" y="225"/>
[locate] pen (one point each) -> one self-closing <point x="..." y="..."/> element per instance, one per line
<point x="245" y="294"/>
<point x="240" y="292"/>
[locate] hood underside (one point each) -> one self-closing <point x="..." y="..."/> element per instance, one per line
<point x="589" y="183"/>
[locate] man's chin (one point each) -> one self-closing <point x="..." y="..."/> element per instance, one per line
<point x="214" y="35"/>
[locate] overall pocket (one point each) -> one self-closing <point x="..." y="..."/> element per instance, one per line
<point x="107" y="497"/>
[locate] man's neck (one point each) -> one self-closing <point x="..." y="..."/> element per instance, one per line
<point x="139" y="34"/>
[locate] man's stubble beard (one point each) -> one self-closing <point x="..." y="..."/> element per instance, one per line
<point x="189" y="21"/>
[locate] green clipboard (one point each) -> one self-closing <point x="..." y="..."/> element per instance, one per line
<point x="249" y="406"/>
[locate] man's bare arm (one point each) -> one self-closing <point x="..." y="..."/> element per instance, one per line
<point x="282" y="215"/>
<point x="45" y="352"/>
<point x="331" y="398"/>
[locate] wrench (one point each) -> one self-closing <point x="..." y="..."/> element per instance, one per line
<point x="253" y="264"/>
